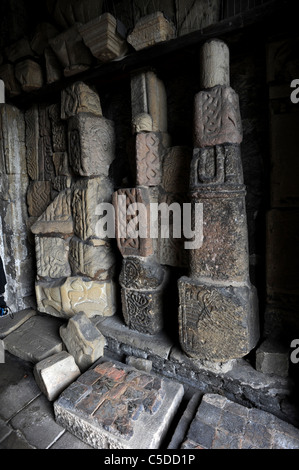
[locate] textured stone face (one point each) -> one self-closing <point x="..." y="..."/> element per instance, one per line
<point x="57" y="217"/>
<point x="96" y="262"/>
<point x="149" y="151"/>
<point x="110" y="406"/>
<point x="176" y="169"/>
<point x="217" y="117"/>
<point x="52" y="257"/>
<point x="217" y="323"/>
<point x="38" y="197"/>
<point x="73" y="295"/>
<point x="79" y="98"/>
<point x="91" y="144"/>
<point x="138" y="273"/>
<point x="150" y="30"/>
<point x="29" y="74"/>
<point x="58" y="128"/>
<point x="32" y="137"/>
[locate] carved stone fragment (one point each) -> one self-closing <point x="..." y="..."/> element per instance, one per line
<point x="73" y="295"/>
<point x="150" y="30"/>
<point x="217" y="322"/>
<point x="58" y="128"/>
<point x="102" y="38"/>
<point x="149" y="153"/>
<point x="38" y="197"/>
<point x="52" y="257"/>
<point x="87" y="195"/>
<point x="138" y="273"/>
<point x="32" y="138"/>
<point x="79" y="98"/>
<point x="53" y="66"/>
<point x="57" y="217"/>
<point x="60" y="160"/>
<point x="96" y="262"/>
<point x="214" y="61"/>
<point x="148" y="97"/>
<point x="29" y="74"/>
<point x="91" y="144"/>
<point x="176" y="169"/>
<point x="12" y="140"/>
<point x="217" y="117"/>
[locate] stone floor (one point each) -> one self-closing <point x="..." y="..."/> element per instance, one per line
<point x="203" y="420"/>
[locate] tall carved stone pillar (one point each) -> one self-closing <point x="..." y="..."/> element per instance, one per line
<point x="142" y="277"/>
<point x="218" y="305"/>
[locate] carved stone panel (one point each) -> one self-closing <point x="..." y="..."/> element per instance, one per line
<point x="87" y="195"/>
<point x="52" y="257"/>
<point x="217" y="323"/>
<point x="32" y="138"/>
<point x="57" y="217"/>
<point x="150" y="30"/>
<point x="58" y="128"/>
<point x="91" y="144"/>
<point x="142" y="310"/>
<point x="217" y="117"/>
<point x="96" y="262"/>
<point x="73" y="295"/>
<point x="137" y="273"/>
<point x="149" y="151"/>
<point x="38" y="197"/>
<point x="79" y="98"/>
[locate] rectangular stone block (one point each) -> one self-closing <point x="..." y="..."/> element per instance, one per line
<point x="32" y="138"/>
<point x="53" y="66"/>
<point x="57" y="218"/>
<point x="96" y="262"/>
<point x="91" y="144"/>
<point x="79" y="98"/>
<point x="148" y="98"/>
<point x="132" y="230"/>
<point x="217" y="323"/>
<point x="149" y="153"/>
<point x="101" y="36"/>
<point x="55" y="373"/>
<point x="217" y="117"/>
<point x="38" y="197"/>
<point x="139" y="273"/>
<point x="72" y="295"/>
<point x="12" y="141"/>
<point x="134" y="412"/>
<point x="29" y="74"/>
<point x="150" y="30"/>
<point x="88" y="194"/>
<point x="52" y="257"/>
<point x="45" y="157"/>
<point x="143" y="310"/>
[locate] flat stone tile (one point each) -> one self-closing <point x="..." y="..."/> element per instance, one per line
<point x="37" y="423"/>
<point x="68" y="441"/>
<point x="8" y="324"/>
<point x="124" y="409"/>
<point x="17" y="386"/>
<point x="15" y="441"/>
<point x="237" y="427"/>
<point x="5" y="430"/>
<point x="35" y="339"/>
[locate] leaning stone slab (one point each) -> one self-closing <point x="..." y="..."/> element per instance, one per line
<point x="55" y="373"/>
<point x="150" y="30"/>
<point x="134" y="412"/>
<point x="35" y="339"/>
<point x="83" y="340"/>
<point x="8" y="324"/>
<point x="222" y="424"/>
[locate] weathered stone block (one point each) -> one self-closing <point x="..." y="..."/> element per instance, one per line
<point x="96" y="262"/>
<point x="217" y="117"/>
<point x="61" y="183"/>
<point x="176" y="169"/>
<point x="60" y="160"/>
<point x="101" y="36"/>
<point x="38" y="197"/>
<point x="149" y="152"/>
<point x="83" y="340"/>
<point x="116" y="417"/>
<point x="132" y="230"/>
<point x="12" y="140"/>
<point x="53" y="66"/>
<point x="73" y="295"/>
<point x="214" y="64"/>
<point x="88" y="194"/>
<point x="91" y="144"/>
<point x="29" y="74"/>
<point x="57" y="217"/>
<point x="55" y="373"/>
<point x="52" y="257"/>
<point x="7" y="74"/>
<point x="148" y="102"/>
<point x="79" y="98"/>
<point x="138" y="273"/>
<point x="58" y="129"/>
<point x="139" y="363"/>
<point x="150" y="30"/>
<point x="217" y="323"/>
<point x="272" y="357"/>
<point x="143" y="310"/>
<point x="18" y="50"/>
<point x="32" y="138"/>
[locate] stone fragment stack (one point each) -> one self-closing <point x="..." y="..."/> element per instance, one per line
<point x="75" y="267"/>
<point x="142" y="278"/>
<point x="218" y="305"/>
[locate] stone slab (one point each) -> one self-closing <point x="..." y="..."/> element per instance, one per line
<point x="272" y="357"/>
<point x="35" y="339"/>
<point x="117" y="407"/>
<point x="222" y="424"/>
<point x="151" y="29"/>
<point x="8" y="324"/>
<point x="55" y="373"/>
<point x="68" y="441"/>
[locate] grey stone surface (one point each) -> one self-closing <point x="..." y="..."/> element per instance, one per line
<point x="222" y="424"/>
<point x="15" y="441"/>
<point x="35" y="339"/>
<point x="37" y="424"/>
<point x="8" y="324"/>
<point x="272" y="357"/>
<point x="55" y="373"/>
<point x="5" y="430"/>
<point x="68" y="441"/>
<point x="139" y="363"/>
<point x="184" y="423"/>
